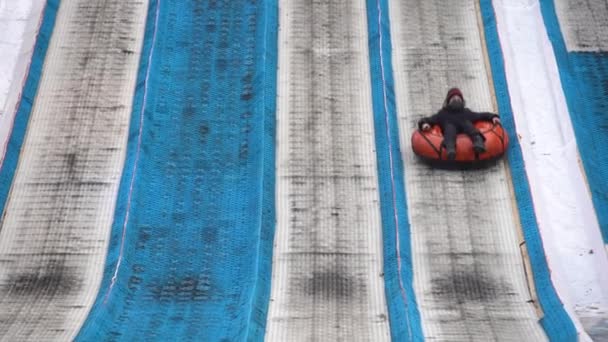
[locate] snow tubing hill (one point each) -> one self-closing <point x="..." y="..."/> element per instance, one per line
<point x="427" y="146"/>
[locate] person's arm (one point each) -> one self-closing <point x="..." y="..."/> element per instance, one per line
<point x="486" y="116"/>
<point x="429" y="120"/>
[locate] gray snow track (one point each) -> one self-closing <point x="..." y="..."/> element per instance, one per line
<point x="469" y="276"/>
<point x="57" y="220"/>
<point x="327" y="280"/>
<point x="584" y="24"/>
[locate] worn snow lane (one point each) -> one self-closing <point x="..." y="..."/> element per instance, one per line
<point x="468" y="270"/>
<point x="327" y="283"/>
<point x="56" y="224"/>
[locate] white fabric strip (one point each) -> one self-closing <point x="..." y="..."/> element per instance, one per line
<point x="19" y="24"/>
<point x="566" y="218"/>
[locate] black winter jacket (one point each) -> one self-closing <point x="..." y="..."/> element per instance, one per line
<point x="455" y="117"/>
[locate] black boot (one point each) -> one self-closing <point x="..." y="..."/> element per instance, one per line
<point x="451" y="152"/>
<point x="479" y="145"/>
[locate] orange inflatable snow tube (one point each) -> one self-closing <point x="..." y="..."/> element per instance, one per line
<point x="427" y="145"/>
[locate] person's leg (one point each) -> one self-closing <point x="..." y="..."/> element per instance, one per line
<point x="449" y="140"/>
<point x="477" y="138"/>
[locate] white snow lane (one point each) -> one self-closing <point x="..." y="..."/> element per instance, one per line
<point x="566" y="216"/>
<point x="468" y="269"/>
<point x="56" y="224"/>
<point x="327" y="280"/>
<point x="19" y="25"/>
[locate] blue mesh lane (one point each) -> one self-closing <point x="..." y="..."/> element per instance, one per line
<point x="267" y="61"/>
<point x="404" y="316"/>
<point x="557" y="324"/>
<point x="197" y="243"/>
<point x="584" y="77"/>
<point x="28" y="95"/>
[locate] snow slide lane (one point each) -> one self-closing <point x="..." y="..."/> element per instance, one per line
<point x="188" y="255"/>
<point x="327" y="269"/>
<point x="468" y="269"/>
<point x="57" y="218"/>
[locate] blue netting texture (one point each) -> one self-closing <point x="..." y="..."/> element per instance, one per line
<point x="404" y="316"/>
<point x="198" y="183"/>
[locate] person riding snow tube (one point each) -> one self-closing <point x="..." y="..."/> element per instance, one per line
<point x="457" y="137"/>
